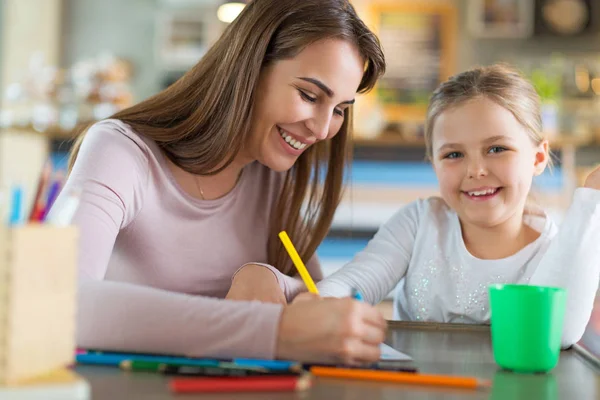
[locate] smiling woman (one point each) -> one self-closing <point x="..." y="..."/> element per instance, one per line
<point x="183" y="194"/>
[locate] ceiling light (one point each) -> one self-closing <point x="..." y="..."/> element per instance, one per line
<point x="229" y="10"/>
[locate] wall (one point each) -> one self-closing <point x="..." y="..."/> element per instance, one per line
<point x="126" y="28"/>
<point x="2" y="5"/>
<point x="472" y="51"/>
<point x="122" y="27"/>
<point x="28" y="26"/>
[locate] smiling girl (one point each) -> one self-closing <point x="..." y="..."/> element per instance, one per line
<point x="183" y="194"/>
<point x="484" y="139"/>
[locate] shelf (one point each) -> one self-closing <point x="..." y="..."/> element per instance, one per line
<point x="379" y="141"/>
<point x="54" y="132"/>
<point x="397" y="141"/>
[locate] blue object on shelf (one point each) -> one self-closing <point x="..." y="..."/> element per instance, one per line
<point x="341" y="247"/>
<point x="414" y="174"/>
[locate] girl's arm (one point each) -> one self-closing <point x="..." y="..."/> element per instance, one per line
<point x="111" y="173"/>
<point x="377" y="269"/>
<point x="572" y="261"/>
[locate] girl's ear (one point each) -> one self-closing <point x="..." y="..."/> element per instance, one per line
<point x="542" y="157"/>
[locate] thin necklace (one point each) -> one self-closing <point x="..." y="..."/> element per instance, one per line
<point x="199" y="188"/>
<point x="202" y="192"/>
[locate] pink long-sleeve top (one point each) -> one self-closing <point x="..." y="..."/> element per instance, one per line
<point x="155" y="263"/>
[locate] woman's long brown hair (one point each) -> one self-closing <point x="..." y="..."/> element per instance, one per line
<point x="202" y="120"/>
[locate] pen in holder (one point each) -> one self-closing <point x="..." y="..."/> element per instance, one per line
<point x="38" y="281"/>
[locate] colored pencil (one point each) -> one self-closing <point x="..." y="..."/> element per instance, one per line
<point x="115" y="359"/>
<point x="308" y="281"/>
<point x="187" y="370"/>
<point x="84" y="356"/>
<point x="356" y="295"/>
<point x="53" y="192"/>
<point x="16" y="211"/>
<point x="210" y="369"/>
<point x="38" y="200"/>
<point x="243" y="384"/>
<point x="401" y="377"/>
<point x="273" y="365"/>
<point x="378" y="366"/>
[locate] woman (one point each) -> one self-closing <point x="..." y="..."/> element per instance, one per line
<point x="182" y="195"/>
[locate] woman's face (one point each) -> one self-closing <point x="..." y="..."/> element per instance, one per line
<point x="303" y="100"/>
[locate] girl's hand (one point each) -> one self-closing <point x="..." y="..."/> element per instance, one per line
<point x="255" y="282"/>
<point x="593" y="179"/>
<point x="330" y="330"/>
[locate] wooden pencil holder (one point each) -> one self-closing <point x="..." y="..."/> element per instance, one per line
<point x="38" y="286"/>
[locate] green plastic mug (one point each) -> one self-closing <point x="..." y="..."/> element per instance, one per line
<point x="527" y="326"/>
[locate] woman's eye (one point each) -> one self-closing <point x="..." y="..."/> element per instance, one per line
<point x="306" y="97"/>
<point x="454" y="154"/>
<point x="497" y="149"/>
<point x="338" y="112"/>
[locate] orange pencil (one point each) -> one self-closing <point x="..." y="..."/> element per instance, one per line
<point x="401" y="377"/>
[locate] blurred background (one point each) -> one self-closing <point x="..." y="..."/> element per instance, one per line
<point x="66" y="62"/>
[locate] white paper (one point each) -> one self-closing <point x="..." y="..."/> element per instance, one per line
<point x="389" y="353"/>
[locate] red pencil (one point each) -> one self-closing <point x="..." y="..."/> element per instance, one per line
<point x="39" y="199"/>
<point x="243" y="384"/>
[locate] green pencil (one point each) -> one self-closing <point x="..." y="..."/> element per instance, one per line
<point x="155" y="366"/>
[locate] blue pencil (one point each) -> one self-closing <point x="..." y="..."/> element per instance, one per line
<point x="273" y="365"/>
<point x="16" y="207"/>
<point x="356" y="295"/>
<point x="115" y="359"/>
<point x="52" y="195"/>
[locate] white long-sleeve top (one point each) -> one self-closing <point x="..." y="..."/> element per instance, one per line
<point x="422" y="248"/>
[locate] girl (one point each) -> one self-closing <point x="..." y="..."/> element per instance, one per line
<point x="484" y="139"/>
<point x="182" y="190"/>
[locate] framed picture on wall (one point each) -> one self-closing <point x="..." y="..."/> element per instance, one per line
<point x="501" y="18"/>
<point x="419" y="44"/>
<point x="181" y="38"/>
<point x="566" y="17"/>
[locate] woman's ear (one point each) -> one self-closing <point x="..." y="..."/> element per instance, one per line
<point x="542" y="157"/>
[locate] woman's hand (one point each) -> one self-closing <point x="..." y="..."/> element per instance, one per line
<point x="255" y="282"/>
<point x="330" y="330"/>
<point x="593" y="179"/>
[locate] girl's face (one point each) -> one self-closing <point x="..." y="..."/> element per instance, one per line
<point x="485" y="162"/>
<point x="303" y="100"/>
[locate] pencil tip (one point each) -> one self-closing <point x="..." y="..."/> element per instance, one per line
<point x="484" y="383"/>
<point x="304" y="382"/>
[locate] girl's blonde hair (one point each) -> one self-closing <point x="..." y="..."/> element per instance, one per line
<point x="499" y="83"/>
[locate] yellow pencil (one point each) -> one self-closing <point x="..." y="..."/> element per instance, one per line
<point x="287" y="243"/>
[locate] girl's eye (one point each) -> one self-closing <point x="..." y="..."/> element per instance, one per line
<point x="497" y="149"/>
<point x="306" y="97"/>
<point x="454" y="154"/>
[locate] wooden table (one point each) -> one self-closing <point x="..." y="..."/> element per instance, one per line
<point x="436" y="348"/>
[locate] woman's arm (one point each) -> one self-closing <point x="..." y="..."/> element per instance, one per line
<point x="377" y="269"/>
<point x="572" y="261"/>
<point x="111" y="174"/>
<point x="289" y="286"/>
